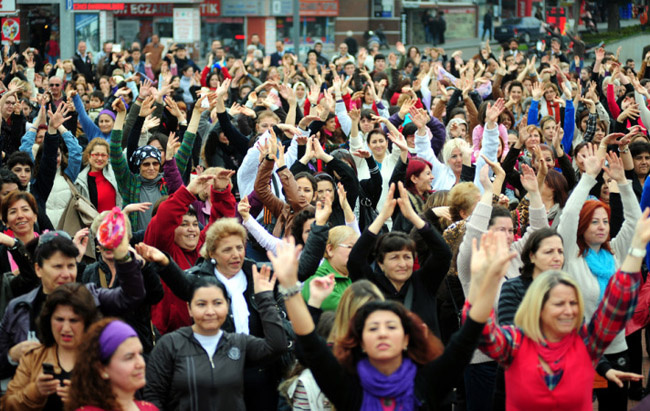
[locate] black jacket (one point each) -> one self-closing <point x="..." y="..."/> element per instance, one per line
<point x="180" y="375"/>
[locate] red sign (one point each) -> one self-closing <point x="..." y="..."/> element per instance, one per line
<point x="98" y="6"/>
<point x="210" y="8"/>
<point x="319" y="8"/>
<point x="10" y="29"/>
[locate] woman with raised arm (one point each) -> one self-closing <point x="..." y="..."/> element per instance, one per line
<point x="395" y="257"/>
<point x="388" y="357"/>
<point x="592" y="258"/>
<point x="551" y="340"/>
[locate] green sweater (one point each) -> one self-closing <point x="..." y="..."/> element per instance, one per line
<point x="341" y="282"/>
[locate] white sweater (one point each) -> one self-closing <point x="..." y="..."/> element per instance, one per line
<point x="576" y="265"/>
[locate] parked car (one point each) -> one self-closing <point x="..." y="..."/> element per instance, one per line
<point x="525" y="29"/>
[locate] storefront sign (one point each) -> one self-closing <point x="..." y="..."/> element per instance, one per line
<point x="7" y="6"/>
<point x="187" y="25"/>
<point x="10" y="29"/>
<point x="278" y="7"/>
<point x="463" y="20"/>
<point x="210" y="8"/>
<point x="319" y="8"/>
<point x="98" y="6"/>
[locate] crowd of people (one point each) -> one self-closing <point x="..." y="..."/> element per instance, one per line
<point x="416" y="230"/>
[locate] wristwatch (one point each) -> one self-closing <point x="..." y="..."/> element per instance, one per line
<point x="291" y="291"/>
<point x="637" y="252"/>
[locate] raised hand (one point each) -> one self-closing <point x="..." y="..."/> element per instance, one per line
<point x="147" y="106"/>
<point x="406" y="207"/>
<point x="319" y="289"/>
<point x="592" y="163"/>
<point x="399" y="140"/>
<point x="615" y="170"/>
<point x="200" y="184"/>
<point x="537" y="91"/>
<point x="362" y="153"/>
<point x="59" y="117"/>
<point x="495" y="166"/>
<point x="136" y="207"/>
<point x="285" y="262"/>
<point x="151" y="254"/>
<point x="173" y="145"/>
<point x="494" y="111"/>
<point x="529" y="179"/>
<point x="263" y="280"/>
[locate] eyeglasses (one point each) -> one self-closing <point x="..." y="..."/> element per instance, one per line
<point x="98" y="155"/>
<point x="48" y="236"/>
<point x="55" y="84"/>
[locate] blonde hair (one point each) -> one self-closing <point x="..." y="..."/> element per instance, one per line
<point x="463" y="197"/>
<point x="91" y="146"/>
<point x="450" y="146"/>
<point x="528" y="316"/>
<point x="220" y="229"/>
<point x="339" y="234"/>
<point x="356" y="295"/>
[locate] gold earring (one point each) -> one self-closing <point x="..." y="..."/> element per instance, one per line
<point x="105" y="376"/>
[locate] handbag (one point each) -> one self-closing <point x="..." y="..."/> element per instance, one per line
<point x="78" y="214"/>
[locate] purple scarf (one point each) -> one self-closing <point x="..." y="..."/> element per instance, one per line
<point x="399" y="386"/>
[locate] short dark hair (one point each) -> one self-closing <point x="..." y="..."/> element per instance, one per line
<point x="393" y="241"/>
<point x="308" y="176"/>
<point x="379" y="56"/>
<point x="531" y="247"/>
<point x="41" y="252"/>
<point x="299" y="221"/>
<point x="19" y="157"/>
<point x="203" y="281"/>
<point x="74" y="295"/>
<point x="498" y="211"/>
<point x="8" y="177"/>
<point x="97" y="94"/>
<point x="639" y="147"/>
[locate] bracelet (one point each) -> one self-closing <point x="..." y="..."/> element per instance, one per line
<point x="17" y="243"/>
<point x="625" y="150"/>
<point x="637" y="252"/>
<point x="291" y="291"/>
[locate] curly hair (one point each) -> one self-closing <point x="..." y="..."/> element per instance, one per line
<point x="91" y="146"/>
<point x="423" y="345"/>
<point x="86" y="386"/>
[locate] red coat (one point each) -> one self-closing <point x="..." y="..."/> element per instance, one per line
<point x="171" y="313"/>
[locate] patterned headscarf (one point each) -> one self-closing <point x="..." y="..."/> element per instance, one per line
<point x="144" y="152"/>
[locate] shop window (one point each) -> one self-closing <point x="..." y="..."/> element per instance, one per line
<point x="229" y="30"/>
<point x="87" y="29"/>
<point x="312" y="29"/>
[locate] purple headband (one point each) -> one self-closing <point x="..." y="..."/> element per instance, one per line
<point x="108" y="113"/>
<point x="114" y="334"/>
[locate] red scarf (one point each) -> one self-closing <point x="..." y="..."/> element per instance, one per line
<point x="554" y="110"/>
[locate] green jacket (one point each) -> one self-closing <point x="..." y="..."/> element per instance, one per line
<point x="341" y="282"/>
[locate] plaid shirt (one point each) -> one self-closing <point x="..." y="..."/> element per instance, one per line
<point x="590" y="129"/>
<point x="502" y="342"/>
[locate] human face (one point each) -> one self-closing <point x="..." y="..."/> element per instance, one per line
<point x="229" y="255"/>
<point x="378" y="145"/>
<point x="383" y="338"/>
<point x="266" y="123"/>
<point x="456" y="161"/>
<point x="21" y="218"/>
<point x="549" y="255"/>
<point x="105" y="123"/>
<point x="642" y="164"/>
<point x="422" y="182"/>
<point x="82" y="47"/>
<point x="504" y="225"/>
<point x="57" y="270"/>
<point x="9" y="106"/>
<point x="349" y="69"/>
<point x="325" y="190"/>
<point x="306" y="229"/>
<point x="505" y="120"/>
<point x="150" y="168"/>
<point x="549" y="94"/>
<point x="580" y="159"/>
<point x="209" y="310"/>
<point x="338" y="255"/>
<point x="560" y="312"/>
<point x="598" y="231"/>
<point x="532" y="140"/>
<point x="24" y="173"/>
<point x="549" y="131"/>
<point x="330" y="124"/>
<point x="547" y="157"/>
<point x="300" y="92"/>
<point x="380" y="65"/>
<point x="98" y="158"/>
<point x="186" y="235"/>
<point x="397" y="266"/>
<point x="305" y="191"/>
<point x="604" y="191"/>
<point x="126" y="370"/>
<point x="515" y="93"/>
<point x="67" y="327"/>
<point x="6" y="189"/>
<point x="343" y="49"/>
<point x="366" y="125"/>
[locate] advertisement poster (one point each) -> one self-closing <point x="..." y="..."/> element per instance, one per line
<point x="10" y="29"/>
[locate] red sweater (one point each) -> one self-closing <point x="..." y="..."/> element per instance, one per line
<point x="105" y="191"/>
<point x="573" y="391"/>
<point x="171" y="313"/>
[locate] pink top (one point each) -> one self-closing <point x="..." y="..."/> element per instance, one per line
<point x="142" y="406"/>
